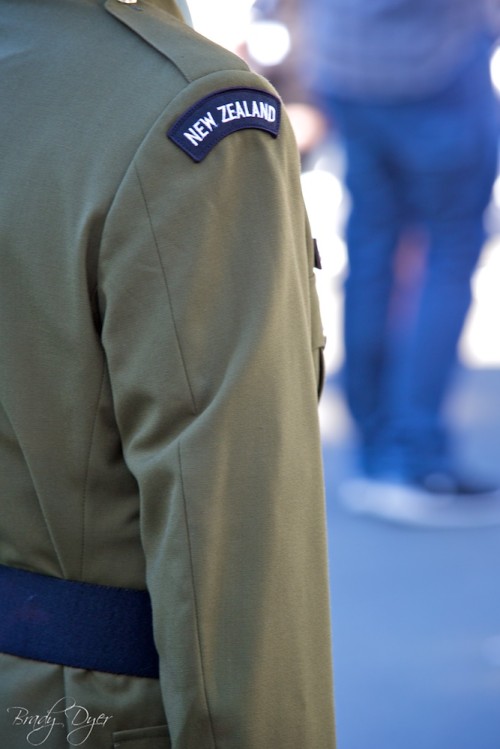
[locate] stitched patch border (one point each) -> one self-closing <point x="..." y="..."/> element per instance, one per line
<point x="218" y="115"/>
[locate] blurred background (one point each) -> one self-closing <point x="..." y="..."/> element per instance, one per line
<point x="416" y="613"/>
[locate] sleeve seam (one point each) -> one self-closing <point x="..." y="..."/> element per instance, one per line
<point x="195" y="601"/>
<point x="167" y="290"/>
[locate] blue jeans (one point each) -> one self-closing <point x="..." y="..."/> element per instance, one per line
<point x="427" y="164"/>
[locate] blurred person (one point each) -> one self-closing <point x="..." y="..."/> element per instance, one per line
<point x="407" y="85"/>
<point x="308" y="120"/>
<point x="163" y="575"/>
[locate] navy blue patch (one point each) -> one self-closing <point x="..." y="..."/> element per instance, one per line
<point x="211" y="119"/>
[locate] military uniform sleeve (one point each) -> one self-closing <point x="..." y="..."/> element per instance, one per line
<point x="211" y="331"/>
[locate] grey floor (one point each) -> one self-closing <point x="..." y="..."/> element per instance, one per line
<point x="416" y="613"/>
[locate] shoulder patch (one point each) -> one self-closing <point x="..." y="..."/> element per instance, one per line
<point x="216" y="116"/>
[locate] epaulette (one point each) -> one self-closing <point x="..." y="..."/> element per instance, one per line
<point x="160" y="24"/>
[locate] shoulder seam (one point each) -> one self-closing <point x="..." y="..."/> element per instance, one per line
<point x="168" y="35"/>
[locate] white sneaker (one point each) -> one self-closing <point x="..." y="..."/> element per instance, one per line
<point x="398" y="502"/>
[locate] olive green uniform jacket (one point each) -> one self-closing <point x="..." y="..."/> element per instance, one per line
<point x="159" y="344"/>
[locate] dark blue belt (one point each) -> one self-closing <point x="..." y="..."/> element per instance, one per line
<point x="76" y="624"/>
